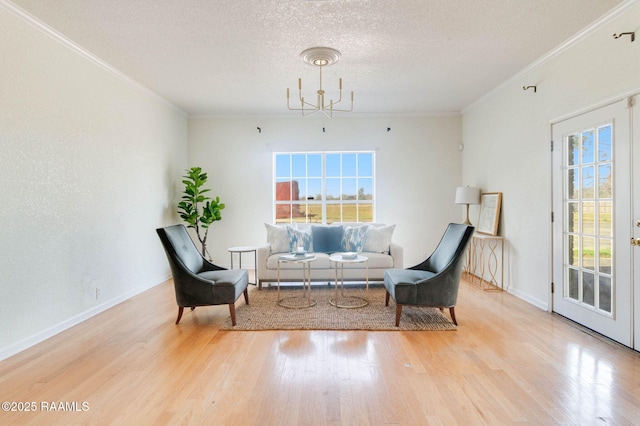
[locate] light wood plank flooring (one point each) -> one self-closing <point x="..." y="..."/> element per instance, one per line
<point x="509" y="362"/>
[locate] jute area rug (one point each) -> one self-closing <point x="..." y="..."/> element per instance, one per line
<point x="264" y="313"/>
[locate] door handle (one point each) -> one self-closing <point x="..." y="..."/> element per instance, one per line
<point x="635" y="241"/>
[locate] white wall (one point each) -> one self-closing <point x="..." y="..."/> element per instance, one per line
<point x="91" y="164"/>
<point x="507" y="138"/>
<point x="88" y="169"/>
<point x="418" y="167"/>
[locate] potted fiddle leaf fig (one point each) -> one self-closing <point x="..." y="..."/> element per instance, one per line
<point x="196" y="209"/>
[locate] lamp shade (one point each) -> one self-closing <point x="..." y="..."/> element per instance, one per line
<point x="467" y="195"/>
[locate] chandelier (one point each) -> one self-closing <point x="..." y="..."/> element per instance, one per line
<point x="320" y="57"/>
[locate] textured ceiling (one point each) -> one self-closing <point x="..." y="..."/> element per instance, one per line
<point x="213" y="57"/>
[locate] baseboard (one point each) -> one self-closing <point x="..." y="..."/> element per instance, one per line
<point x="70" y="322"/>
<point x="532" y="300"/>
<point x="520" y="295"/>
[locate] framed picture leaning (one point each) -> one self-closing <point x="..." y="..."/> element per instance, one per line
<point x="489" y="219"/>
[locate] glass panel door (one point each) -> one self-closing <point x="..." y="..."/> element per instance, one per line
<point x="588" y="209"/>
<point x="591" y="203"/>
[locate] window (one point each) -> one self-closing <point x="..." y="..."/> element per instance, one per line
<point x="324" y="187"/>
<point x="589" y="217"/>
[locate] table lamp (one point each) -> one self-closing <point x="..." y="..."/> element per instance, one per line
<point x="467" y="195"/>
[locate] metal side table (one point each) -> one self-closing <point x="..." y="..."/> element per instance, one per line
<point x="341" y="301"/>
<point x="304" y="301"/>
<point x="246" y="249"/>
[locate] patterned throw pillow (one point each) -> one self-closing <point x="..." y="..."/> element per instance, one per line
<point x="278" y="238"/>
<point x="299" y="238"/>
<point x="353" y="238"/>
<point x="378" y="239"/>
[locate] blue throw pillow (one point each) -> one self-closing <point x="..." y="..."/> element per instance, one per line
<point x="298" y="238"/>
<point x="353" y="238"/>
<point x="326" y="239"/>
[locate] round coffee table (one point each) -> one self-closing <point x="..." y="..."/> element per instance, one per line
<point x="297" y="302"/>
<point x="343" y="301"/>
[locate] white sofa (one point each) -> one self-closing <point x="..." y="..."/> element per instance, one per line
<point x="372" y="240"/>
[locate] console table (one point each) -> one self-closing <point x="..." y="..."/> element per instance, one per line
<point x="482" y="264"/>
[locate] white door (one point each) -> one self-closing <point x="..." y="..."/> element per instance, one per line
<point x="592" y="202"/>
<point x="635" y="118"/>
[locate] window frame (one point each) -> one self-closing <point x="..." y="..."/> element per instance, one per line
<point x="306" y="200"/>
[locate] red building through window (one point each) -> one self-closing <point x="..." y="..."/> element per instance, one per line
<point x="287" y="191"/>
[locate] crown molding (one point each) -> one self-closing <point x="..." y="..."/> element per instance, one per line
<point x="289" y="116"/>
<point x="566" y="45"/>
<point x="40" y="25"/>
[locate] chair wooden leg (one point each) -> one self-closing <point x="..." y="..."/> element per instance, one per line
<point x="246" y="296"/>
<point x="232" y="311"/>
<point x="386" y="300"/>
<point x="398" y="314"/>
<point x="180" y="311"/>
<point x="453" y="315"/>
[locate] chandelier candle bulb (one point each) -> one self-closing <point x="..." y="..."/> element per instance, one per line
<point x="319" y="57"/>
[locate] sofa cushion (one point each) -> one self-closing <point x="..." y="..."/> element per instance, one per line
<point x="376" y="261"/>
<point x="326" y="239"/>
<point x="378" y="239"/>
<point x="353" y="238"/>
<point x="278" y="238"/>
<point x="379" y="260"/>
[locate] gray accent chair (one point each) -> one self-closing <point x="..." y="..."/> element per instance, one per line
<point x="197" y="281"/>
<point x="434" y="282"/>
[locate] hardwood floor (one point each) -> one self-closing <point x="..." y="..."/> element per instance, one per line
<point x="509" y="362"/>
